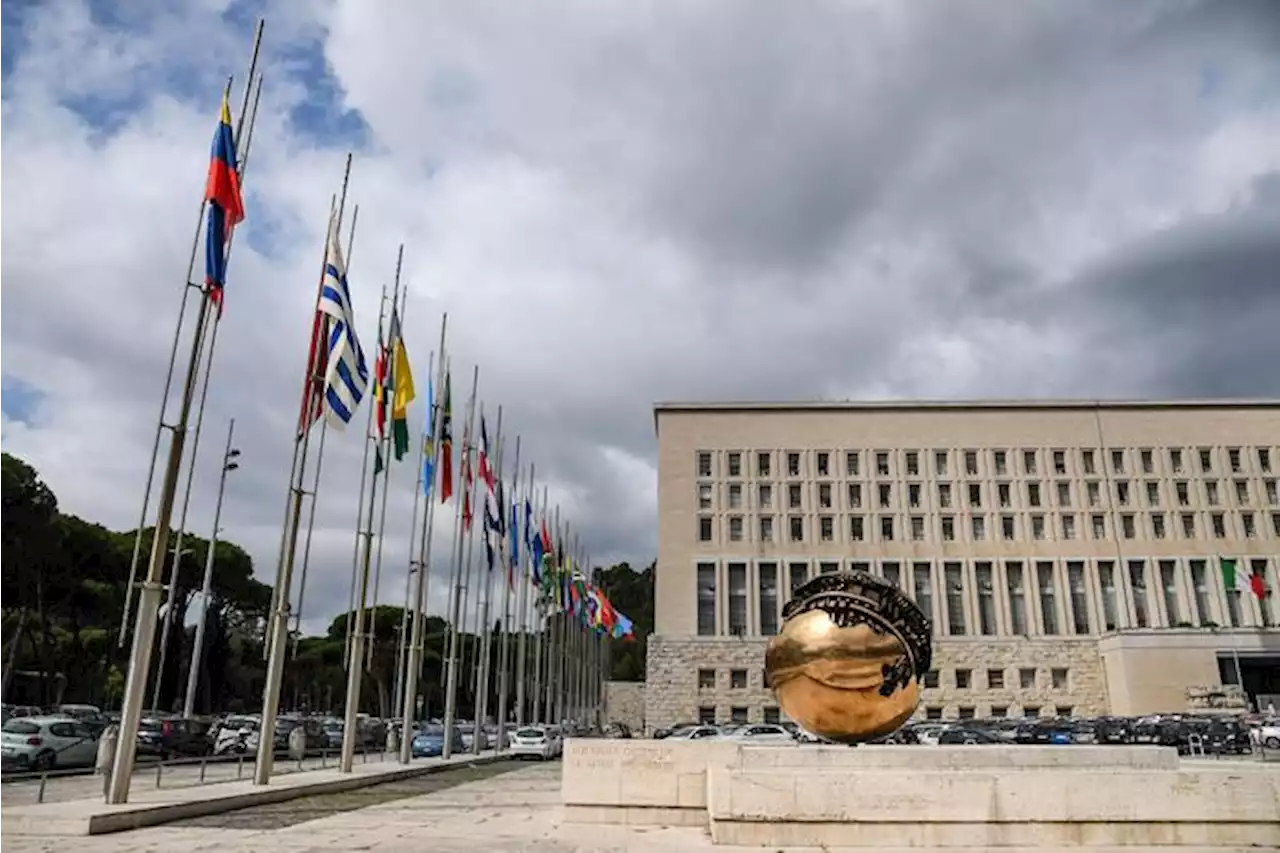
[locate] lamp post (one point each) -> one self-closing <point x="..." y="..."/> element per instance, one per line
<point x="197" y="647"/>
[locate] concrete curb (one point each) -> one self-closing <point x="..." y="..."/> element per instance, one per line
<point x="92" y="817"/>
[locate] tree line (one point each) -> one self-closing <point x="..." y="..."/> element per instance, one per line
<point x="64" y="584"/>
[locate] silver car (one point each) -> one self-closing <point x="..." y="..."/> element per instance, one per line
<point x="43" y="743"/>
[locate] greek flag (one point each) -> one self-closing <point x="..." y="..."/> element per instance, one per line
<point x="347" y="375"/>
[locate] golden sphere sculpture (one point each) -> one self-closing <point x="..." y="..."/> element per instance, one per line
<point x="848" y="661"/>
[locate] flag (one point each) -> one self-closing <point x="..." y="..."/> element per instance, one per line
<point x="347" y="373"/>
<point x="465" y="483"/>
<point x="446" y="441"/>
<point x="513" y="559"/>
<point x="402" y="390"/>
<point x="226" y="207"/>
<point x="428" y="440"/>
<point x="317" y="359"/>
<point x="381" y="369"/>
<point x="484" y="462"/>
<point x="1233" y="580"/>
<point x="538" y="554"/>
<point x="624" y="629"/>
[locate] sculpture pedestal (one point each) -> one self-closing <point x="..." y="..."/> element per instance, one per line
<point x="960" y="797"/>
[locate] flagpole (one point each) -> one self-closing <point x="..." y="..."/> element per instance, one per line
<point x="484" y="661"/>
<point x="413" y="668"/>
<point x="393" y="337"/>
<point x="151" y="591"/>
<point x="315" y="482"/>
<point x="522" y="641"/>
<point x="504" y="635"/>
<point x="480" y="641"/>
<point x="188" y="285"/>
<point x="540" y="639"/>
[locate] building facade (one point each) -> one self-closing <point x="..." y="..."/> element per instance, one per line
<point x="1070" y="554"/>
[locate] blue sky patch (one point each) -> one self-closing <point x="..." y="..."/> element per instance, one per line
<point x="19" y="399"/>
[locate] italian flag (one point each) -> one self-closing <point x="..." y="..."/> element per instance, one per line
<point x="1239" y="578"/>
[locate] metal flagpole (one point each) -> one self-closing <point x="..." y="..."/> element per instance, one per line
<point x="484" y="593"/>
<point x="522" y="639"/>
<point x="456" y="576"/>
<point x="417" y="641"/>
<point x="206" y="587"/>
<point x="397" y="312"/>
<point x="315" y="482"/>
<point x="278" y="620"/>
<point x="553" y="581"/>
<point x="504" y="636"/>
<point x="539" y="639"/>
<point x="151" y="591"/>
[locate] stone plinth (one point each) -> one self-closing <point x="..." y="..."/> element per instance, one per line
<point x="885" y="796"/>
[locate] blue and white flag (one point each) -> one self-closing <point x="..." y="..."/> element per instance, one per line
<point x="347" y="374"/>
<point x="428" y="440"/>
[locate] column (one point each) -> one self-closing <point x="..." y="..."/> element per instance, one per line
<point x="969" y="583"/>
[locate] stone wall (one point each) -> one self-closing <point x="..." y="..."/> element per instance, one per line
<point x="674" y="693"/>
<point x="624" y="703"/>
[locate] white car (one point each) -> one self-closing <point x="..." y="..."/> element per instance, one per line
<point x="695" y="733"/>
<point x="1267" y="735"/>
<point x="537" y="742"/>
<point x="763" y="733"/>
<point x="43" y="743"/>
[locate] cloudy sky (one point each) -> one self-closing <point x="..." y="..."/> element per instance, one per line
<point x="623" y="202"/>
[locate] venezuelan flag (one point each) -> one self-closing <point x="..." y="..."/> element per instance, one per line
<point x="226" y="208"/>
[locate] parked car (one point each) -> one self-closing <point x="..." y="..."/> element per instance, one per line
<point x="763" y="733"/>
<point x="170" y="737"/>
<point x="695" y="733"/>
<point x="428" y="742"/>
<point x="43" y="743"/>
<point x="968" y="736"/>
<point x="536" y="742"/>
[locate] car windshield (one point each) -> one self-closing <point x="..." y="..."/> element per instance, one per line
<point x="431" y="731"/>
<point x="150" y="725"/>
<point x="20" y="727"/>
<point x="530" y="733"/>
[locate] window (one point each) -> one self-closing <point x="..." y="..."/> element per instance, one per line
<point x="860" y="566"/>
<point x="851" y="463"/>
<point x="706" y="679"/>
<point x="1003" y="496"/>
<point x="1037" y="527"/>
<point x="971" y="462"/>
<point x="1175" y="460"/>
<point x="828" y="568"/>
<point x="798" y="575"/>
<point x="1079" y="597"/>
<point x="738" y="715"/>
<point x="944" y="495"/>
<point x="891" y="574"/>
<point x="1200" y="586"/>
<point x="766" y="528"/>
<point x="975" y="495"/>
<point x="1122" y="492"/>
<point x="1110" y="606"/>
<point x="933" y="712"/>
<point x="940" y="463"/>
<point x="931" y="679"/>
<point x="1048" y="597"/>
<point x="1064" y="494"/>
<point x="1059" y="678"/>
<point x="735" y="528"/>
<point x="704" y="528"/>
<point x="965" y="712"/>
<point x="882" y="463"/>
<point x="913" y="463"/>
<point x="1259" y="570"/>
<point x="1059" y="462"/>
<point x="1099" y="523"/>
<point x="1275" y="523"/>
<point x="1087" y="463"/>
<point x="1148" y="462"/>
<point x="824" y="495"/>
<point x="1206" y="460"/>
<point x="1027" y="678"/>
<point x="766" y="496"/>
<point x="885" y="492"/>
<point x="1068" y="526"/>
<point x="704" y="463"/>
<point x="738" y="599"/>
<point x="1188" y="525"/>
<point x="1264" y="460"/>
<point x="1248" y="526"/>
<point x="704" y="496"/>
<point x="1211" y="493"/>
<point x="855" y="495"/>
<point x="706" y="599"/>
<point x="1219" y="525"/>
<point x="999" y="712"/>
<point x="1031" y="710"/>
<point x="1033" y="494"/>
<point x="886" y="528"/>
<point x="1117" y="461"/>
<point x="964" y="679"/>
<point x="764" y="464"/>
<point x="1028" y="462"/>
<point x="923" y="588"/>
<point x="857" y="533"/>
<point x="1007" y="531"/>
<point x="1180" y="490"/>
<point x="986" y="598"/>
<point x="1233" y="459"/>
<point x="979" y="525"/>
<point x="948" y="528"/>
<point x="796" y="528"/>
<point x="793" y="464"/>
<point x="738" y="679"/>
<point x="1157" y="525"/>
<point x="707" y="715"/>
<point x="1063" y="710"/>
<point x="1093" y="493"/>
<point x="824" y="464"/>
<point x="1242" y="492"/>
<point x="995" y="679"/>
<point x="771" y="714"/>
<point x="1001" y="462"/>
<point x="1273" y="491"/>
<point x="1017" y="599"/>
<point x="917" y="528"/>
<point x="827" y="528"/>
<point x="1128" y="526"/>
<point x="735" y="464"/>
<point x="955" y="599"/>
<point x="1138" y="583"/>
<point x="1153" y="494"/>
<point x="913" y="494"/>
<point x="735" y="496"/>
<point x="1169" y="586"/>
<point x="795" y="496"/>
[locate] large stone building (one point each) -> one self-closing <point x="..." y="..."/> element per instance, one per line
<point x="1069" y="553"/>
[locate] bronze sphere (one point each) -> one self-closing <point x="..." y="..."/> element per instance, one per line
<point x="848" y="661"/>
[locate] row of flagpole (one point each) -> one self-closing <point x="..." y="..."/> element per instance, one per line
<point x="559" y="678"/>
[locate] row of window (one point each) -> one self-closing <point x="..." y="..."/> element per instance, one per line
<point x="712" y="715"/>
<point x="961" y="678"/>
<point x="1000" y="463"/>
<point x="1010" y="597"/>
<point x="1032" y="494"/>
<point x="1007" y="527"/>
